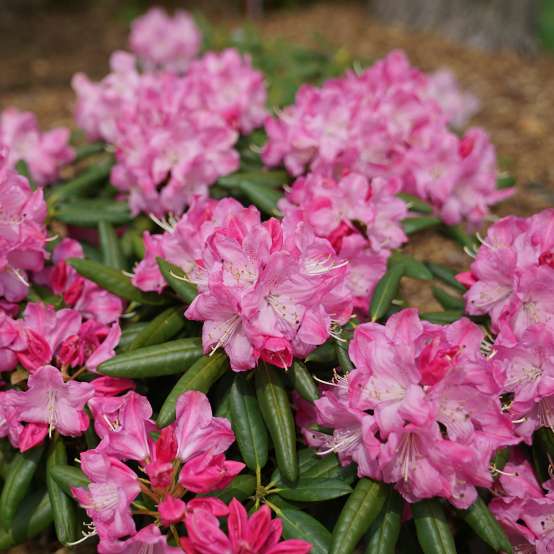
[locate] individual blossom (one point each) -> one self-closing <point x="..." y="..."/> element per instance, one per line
<point x="523" y="508"/>
<point x="512" y="276"/>
<point x="164" y="42"/>
<point x="22" y="232"/>
<point x="44" y="153"/>
<point x="421" y="410"/>
<point x="166" y="153"/>
<point x="226" y="83"/>
<point x="51" y="403"/>
<point x="257" y="533"/>
<point x="359" y="217"/>
<point x="148" y="539"/>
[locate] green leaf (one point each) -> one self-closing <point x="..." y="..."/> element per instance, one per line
<point x="63" y="508"/>
<point x="277" y="413"/>
<point x="67" y="476"/>
<point x="90" y="149"/>
<point x="129" y="334"/>
<point x="544" y="438"/>
<point x="505" y="182"/>
<point x="265" y="199"/>
<point x="385" y="292"/>
<point x="315" y="490"/>
<point x="324" y="354"/>
<point x="153" y="361"/>
<point x="302" y="382"/>
<point x="412" y="268"/>
<point x="241" y="487"/>
<point x="173" y="276"/>
<point x="341" y="347"/>
<point x="446" y="275"/>
<point x="479" y="518"/>
<point x="109" y="244"/>
<point x="357" y="515"/>
<point x="413" y="225"/>
<point x="32" y="518"/>
<point x="200" y="376"/>
<point x="300" y="525"/>
<point x="384" y="532"/>
<point x="18" y="481"/>
<point x="90" y="212"/>
<point x="448" y="301"/>
<point x="442" y="318"/>
<point x="114" y="281"/>
<point x="459" y="234"/>
<point x="415" y="203"/>
<point x="248" y="424"/>
<point x="84" y="182"/>
<point x="433" y="532"/>
<point x="161" y="329"/>
<point x="262" y="178"/>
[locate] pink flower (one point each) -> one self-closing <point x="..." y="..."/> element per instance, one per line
<point x="49" y="400"/>
<point x="164" y="42"/>
<point x="208" y="472"/>
<point x="149" y="539"/>
<point x="22" y="231"/>
<point x="44" y="153"/>
<point x="172" y="510"/>
<point x="107" y="499"/>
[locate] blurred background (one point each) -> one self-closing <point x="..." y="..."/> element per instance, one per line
<point x="501" y="50"/>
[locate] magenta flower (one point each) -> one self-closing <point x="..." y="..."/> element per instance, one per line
<point x="148" y="539"/>
<point x="207" y="472"/>
<point x="164" y="42"/>
<point x="44" y="153"/>
<point x="107" y="499"/>
<point x="52" y="402"/>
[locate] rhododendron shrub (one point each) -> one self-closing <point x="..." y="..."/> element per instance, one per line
<point x="205" y="341"/>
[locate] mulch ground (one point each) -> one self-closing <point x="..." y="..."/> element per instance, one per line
<point x="40" y="53"/>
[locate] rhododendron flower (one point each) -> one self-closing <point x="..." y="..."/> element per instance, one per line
<point x="257" y="533"/>
<point x="22" y="231"/>
<point x="385" y="122"/>
<point x="513" y="275"/>
<point x="148" y="540"/>
<point x="164" y="42"/>
<point x="161" y="142"/>
<point x="107" y="499"/>
<point x="421" y="409"/>
<point x="44" y="153"/>
<point x="227" y="84"/>
<point x="50" y="401"/>
<point x="523" y="509"/>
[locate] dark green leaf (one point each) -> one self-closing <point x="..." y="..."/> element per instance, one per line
<point x="315" y="490"/>
<point x="412" y="268"/>
<point x="386" y="291"/>
<point x="67" y="476"/>
<point x="241" y="488"/>
<point x="161" y="329"/>
<point x="448" y="301"/>
<point x="446" y="275"/>
<point x="442" y="318"/>
<point x="89" y="213"/>
<point x="109" y="244"/>
<point x="416" y="204"/>
<point x="384" y="532"/>
<point x="300" y="525"/>
<point x="302" y="382"/>
<point x="174" y="276"/>
<point x="433" y="531"/>
<point x="324" y="354"/>
<point x="412" y="225"/>
<point x="84" y="182"/>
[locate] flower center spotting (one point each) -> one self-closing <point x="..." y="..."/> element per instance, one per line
<point x="104" y="496"/>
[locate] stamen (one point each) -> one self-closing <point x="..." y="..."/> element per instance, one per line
<point x="165" y="225"/>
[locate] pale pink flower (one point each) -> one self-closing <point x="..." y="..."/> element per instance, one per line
<point x="44" y="153"/>
<point x="161" y="41"/>
<point x="148" y="539"/>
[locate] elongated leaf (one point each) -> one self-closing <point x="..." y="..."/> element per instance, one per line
<point x="385" y="292"/>
<point x="459" y="234"/>
<point x="18" y="480"/>
<point x="89" y="213"/>
<point x="173" y="276"/>
<point x="357" y="515"/>
<point x="341" y="347"/>
<point x="109" y="244"/>
<point x="241" y="488"/>
<point x="433" y="532"/>
<point x="277" y="413"/>
<point x="416" y="204"/>
<point x="32" y="518"/>
<point x="264" y="198"/>
<point x="201" y="376"/>
<point x="384" y="532"/>
<point x="315" y="490"/>
<point x="261" y="178"/>
<point x="67" y="476"/>
<point x="479" y="518"/>
<point x="412" y="268"/>
<point x="84" y="182"/>
<point x="300" y="525"/>
<point x="544" y="438"/>
<point x="161" y="329"/>
<point x="446" y="275"/>
<point x="324" y="354"/>
<point x="328" y="467"/>
<point x="89" y="149"/>
<point x="129" y="334"/>
<point x="448" y="301"/>
<point x="248" y="424"/>
<point x="302" y="382"/>
<point x="505" y="182"/>
<point x="63" y="508"/>
<point x="442" y="318"/>
<point x="413" y="225"/>
<point x="152" y="361"/>
<point x="114" y="281"/>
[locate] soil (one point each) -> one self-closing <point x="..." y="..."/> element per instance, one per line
<point x="42" y="50"/>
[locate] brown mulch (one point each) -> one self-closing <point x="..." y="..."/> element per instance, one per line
<point x="40" y="52"/>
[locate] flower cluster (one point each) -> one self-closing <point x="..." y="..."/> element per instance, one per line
<point x="22" y="232"/>
<point x="421" y="409"/>
<point x="384" y="123"/>
<point x="164" y="42"/>
<point x="44" y="153"/>
<point x="360" y="218"/>
<point x="523" y="508"/>
<point x="267" y="290"/>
